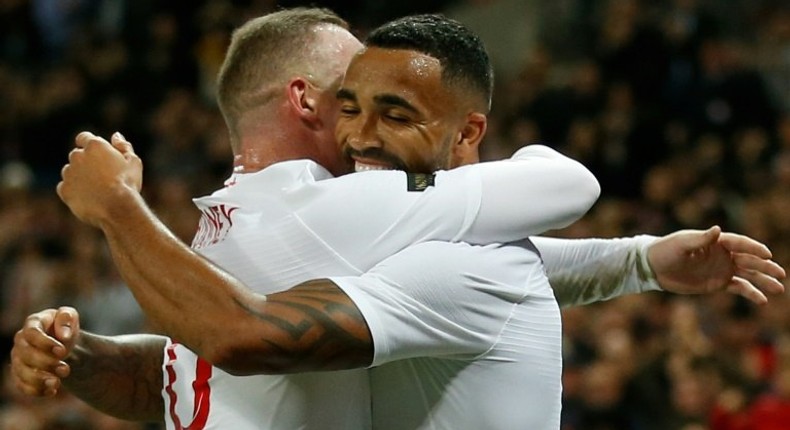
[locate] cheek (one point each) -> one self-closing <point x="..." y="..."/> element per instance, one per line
<point x="332" y="118"/>
<point x="417" y="152"/>
<point x="331" y="109"/>
<point x="434" y="141"/>
<point x="407" y="142"/>
<point x="341" y="129"/>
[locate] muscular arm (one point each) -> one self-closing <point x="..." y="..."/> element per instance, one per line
<point x="120" y="376"/>
<point x="314" y="326"/>
<point x="308" y="328"/>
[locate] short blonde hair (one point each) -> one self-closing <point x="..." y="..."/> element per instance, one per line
<point x="264" y="53"/>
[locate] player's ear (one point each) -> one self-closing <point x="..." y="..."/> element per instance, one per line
<point x="466" y="147"/>
<point x="303" y="99"/>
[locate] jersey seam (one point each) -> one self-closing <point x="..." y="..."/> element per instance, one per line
<point x="326" y="245"/>
<point x="506" y="323"/>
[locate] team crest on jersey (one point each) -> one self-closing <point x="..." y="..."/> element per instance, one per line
<point x="215" y="222"/>
<point x="419" y="181"/>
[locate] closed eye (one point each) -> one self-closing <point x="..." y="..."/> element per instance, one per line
<point x="396" y="118"/>
<point x="349" y="110"/>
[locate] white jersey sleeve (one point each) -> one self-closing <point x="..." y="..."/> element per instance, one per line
<point x="440" y="299"/>
<point x="538" y="189"/>
<point x="583" y="271"/>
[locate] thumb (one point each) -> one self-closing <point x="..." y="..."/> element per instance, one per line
<point x="66" y="326"/>
<point x="705" y="238"/>
<point x="121" y="144"/>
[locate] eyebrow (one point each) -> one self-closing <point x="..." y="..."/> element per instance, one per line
<point x="346" y="94"/>
<point x="383" y="99"/>
<point x="391" y="99"/>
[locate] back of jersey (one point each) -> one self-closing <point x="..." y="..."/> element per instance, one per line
<point x="466" y="337"/>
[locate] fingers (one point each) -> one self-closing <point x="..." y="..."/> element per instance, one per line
<point x="83" y="138"/>
<point x="83" y="142"/>
<point x="36" y="358"/>
<point x="761" y="281"/>
<point x="751" y="262"/>
<point x="60" y="188"/>
<point x="35" y="371"/>
<point x="748" y="291"/>
<point x="118" y="141"/>
<point x="35" y="383"/>
<point x="86" y="138"/>
<point x="36" y="333"/>
<point x="121" y="144"/>
<point x="739" y="243"/>
<point x="124" y="147"/>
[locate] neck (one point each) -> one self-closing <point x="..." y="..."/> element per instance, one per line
<point x="269" y="136"/>
<point x="251" y="159"/>
<point x="266" y="138"/>
<point x="263" y="148"/>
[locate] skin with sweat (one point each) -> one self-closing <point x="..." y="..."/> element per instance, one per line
<point x="409" y="104"/>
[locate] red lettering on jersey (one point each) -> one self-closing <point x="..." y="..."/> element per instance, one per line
<point x="215" y="222"/>
<point x="200" y="386"/>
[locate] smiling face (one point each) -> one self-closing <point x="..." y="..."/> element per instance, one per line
<point x="397" y="113"/>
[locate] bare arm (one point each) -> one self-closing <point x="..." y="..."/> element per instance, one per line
<point x="121" y="375"/>
<point x="313" y="326"/>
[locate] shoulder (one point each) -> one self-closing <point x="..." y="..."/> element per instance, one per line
<point x="460" y="264"/>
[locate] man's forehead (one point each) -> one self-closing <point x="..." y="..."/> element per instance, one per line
<point x="408" y="62"/>
<point x="384" y="74"/>
<point x="398" y="71"/>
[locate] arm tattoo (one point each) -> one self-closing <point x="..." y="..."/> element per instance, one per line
<point x="121" y="375"/>
<point x="313" y="326"/>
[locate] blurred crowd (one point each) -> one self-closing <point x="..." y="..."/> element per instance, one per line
<point x="680" y="107"/>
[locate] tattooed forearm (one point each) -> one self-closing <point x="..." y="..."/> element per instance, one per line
<point x="121" y="376"/>
<point x="313" y="326"/>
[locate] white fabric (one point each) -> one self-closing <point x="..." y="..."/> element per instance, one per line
<point x="583" y="271"/>
<point x="288" y="223"/>
<point x="466" y="337"/>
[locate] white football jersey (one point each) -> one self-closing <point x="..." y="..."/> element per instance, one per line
<point x="290" y="223"/>
<point x="465" y="337"/>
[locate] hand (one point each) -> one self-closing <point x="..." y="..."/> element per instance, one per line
<point x="698" y="262"/>
<point x="97" y="175"/>
<point x="40" y="348"/>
